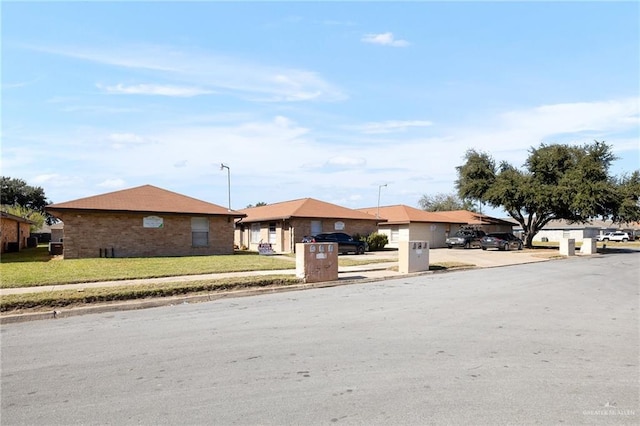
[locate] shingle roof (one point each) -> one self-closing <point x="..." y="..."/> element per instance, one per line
<point x="304" y="207"/>
<point x="16" y="218"/>
<point x="402" y="214"/>
<point x="473" y="218"/>
<point x="146" y="198"/>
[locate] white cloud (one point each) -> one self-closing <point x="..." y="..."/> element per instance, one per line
<point x="346" y="162"/>
<point x="155" y="90"/>
<point x="384" y="39"/>
<point x="210" y="71"/>
<point x="392" y="126"/>
<point x="112" y="183"/>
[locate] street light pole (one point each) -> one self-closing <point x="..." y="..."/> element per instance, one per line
<point x="222" y="167"/>
<point x="378" y="211"/>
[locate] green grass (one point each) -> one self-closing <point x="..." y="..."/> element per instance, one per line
<point x="34" y="267"/>
<point x="67" y="298"/>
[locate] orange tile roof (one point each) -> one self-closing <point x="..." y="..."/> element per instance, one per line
<point x="146" y="198"/>
<point x="304" y="207"/>
<point x="401" y="214"/>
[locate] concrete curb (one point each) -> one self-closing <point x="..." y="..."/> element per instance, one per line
<point x="178" y="300"/>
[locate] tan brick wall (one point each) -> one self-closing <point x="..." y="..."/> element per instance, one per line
<point x="12" y="231"/>
<point x="85" y="234"/>
<point x="290" y="232"/>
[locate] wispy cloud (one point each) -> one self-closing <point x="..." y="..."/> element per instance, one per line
<point x="155" y="89"/>
<point x="391" y="126"/>
<point x="112" y="183"/>
<point x="209" y="72"/>
<point x="384" y="39"/>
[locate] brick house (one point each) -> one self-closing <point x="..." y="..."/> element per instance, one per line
<point x="145" y="221"/>
<point x="284" y="224"/>
<point x="14" y="231"/>
<point x="405" y="223"/>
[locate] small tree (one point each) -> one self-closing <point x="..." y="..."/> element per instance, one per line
<point x="444" y="202"/>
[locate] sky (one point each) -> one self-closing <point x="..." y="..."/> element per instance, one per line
<point x="328" y="100"/>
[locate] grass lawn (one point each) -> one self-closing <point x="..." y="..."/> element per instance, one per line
<point x="35" y="267"/>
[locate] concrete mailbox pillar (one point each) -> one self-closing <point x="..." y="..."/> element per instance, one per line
<point x="588" y="246"/>
<point x="317" y="262"/>
<point x="413" y="256"/>
<point x="568" y="246"/>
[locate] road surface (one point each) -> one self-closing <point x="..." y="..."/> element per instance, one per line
<point x="545" y="343"/>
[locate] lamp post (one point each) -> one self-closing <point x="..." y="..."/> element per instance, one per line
<point x="378" y="211"/>
<point x="222" y="167"/>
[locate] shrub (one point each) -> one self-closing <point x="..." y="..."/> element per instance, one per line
<point x="377" y="241"/>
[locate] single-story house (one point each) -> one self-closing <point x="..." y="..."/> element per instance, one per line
<point x="478" y="220"/>
<point x="285" y="223"/>
<point x="556" y="230"/>
<point x="49" y="233"/>
<point x="144" y="221"/>
<point x="405" y="223"/>
<point x="14" y="232"/>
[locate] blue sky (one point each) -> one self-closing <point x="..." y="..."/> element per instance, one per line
<point x="327" y="100"/>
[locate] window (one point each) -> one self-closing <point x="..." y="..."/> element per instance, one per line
<point x="316" y="227"/>
<point x="255" y="233"/>
<point x="272" y="233"/>
<point x="199" y="232"/>
<point x="395" y="233"/>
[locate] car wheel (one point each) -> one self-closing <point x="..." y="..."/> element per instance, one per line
<point x="519" y="246"/>
<point x="605" y="239"/>
<point x="467" y="245"/>
<point x="448" y="247"/>
<point x="483" y="248"/>
<point x="360" y="250"/>
<point x="624" y="240"/>
<point x="506" y="247"/>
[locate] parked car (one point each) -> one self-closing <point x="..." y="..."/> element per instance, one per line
<point x="615" y="236"/>
<point x="501" y="241"/>
<point x="346" y="243"/>
<point x="466" y="238"/>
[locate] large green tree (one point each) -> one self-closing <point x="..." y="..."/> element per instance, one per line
<point x="444" y="202"/>
<point x="557" y="182"/>
<point x="17" y="195"/>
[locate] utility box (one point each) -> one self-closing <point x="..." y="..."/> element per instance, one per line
<point x="56" y="248"/>
<point x="568" y="246"/>
<point x="317" y="262"/>
<point x="413" y="256"/>
<point x="588" y="246"/>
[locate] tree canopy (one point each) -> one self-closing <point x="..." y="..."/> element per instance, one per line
<point x="444" y="202"/>
<point x="557" y="182"/>
<point x="22" y="199"/>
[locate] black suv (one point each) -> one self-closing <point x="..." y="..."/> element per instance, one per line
<point x="346" y="243"/>
<point x="466" y="238"/>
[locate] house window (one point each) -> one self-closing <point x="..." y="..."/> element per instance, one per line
<point x="255" y="233"/>
<point x="395" y="234"/>
<point x="316" y="227"/>
<point x="199" y="232"/>
<point x="272" y="232"/>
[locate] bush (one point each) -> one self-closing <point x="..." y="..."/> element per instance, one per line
<point x="377" y="241"/>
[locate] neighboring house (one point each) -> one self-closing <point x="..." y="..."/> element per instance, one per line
<point x="404" y="223"/>
<point x="478" y="220"/>
<point x="49" y="233"/>
<point x="284" y="224"/>
<point x="145" y="221"/>
<point x="556" y="230"/>
<point x="14" y="232"/>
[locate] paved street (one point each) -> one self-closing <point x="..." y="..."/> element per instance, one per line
<point x="554" y="342"/>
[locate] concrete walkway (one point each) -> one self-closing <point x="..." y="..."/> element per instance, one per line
<point x="373" y="271"/>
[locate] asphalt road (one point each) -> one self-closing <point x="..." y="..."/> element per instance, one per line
<point x="545" y="343"/>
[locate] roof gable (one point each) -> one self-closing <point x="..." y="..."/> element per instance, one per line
<point x="146" y="198"/>
<point x="401" y="214"/>
<point x="304" y="207"/>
